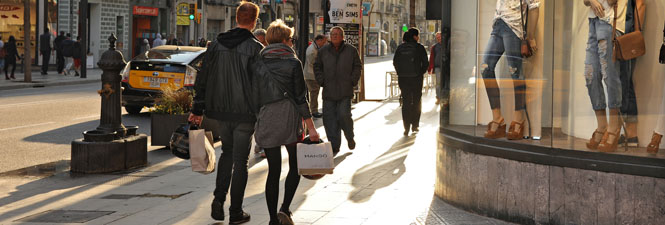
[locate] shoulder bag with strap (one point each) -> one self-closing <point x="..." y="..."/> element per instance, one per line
<point x="525" y="49"/>
<point x="662" y="49"/>
<point x="630" y="45"/>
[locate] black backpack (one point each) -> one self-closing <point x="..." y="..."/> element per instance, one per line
<point x="408" y="60"/>
<point x="67" y="48"/>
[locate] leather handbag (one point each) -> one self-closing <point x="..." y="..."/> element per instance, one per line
<point x="630" y="45"/>
<point x="525" y="48"/>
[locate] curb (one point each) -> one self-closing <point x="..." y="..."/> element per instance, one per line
<point x="49" y="84"/>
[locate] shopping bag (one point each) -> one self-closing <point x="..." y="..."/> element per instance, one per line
<point x="315" y="158"/>
<point x="201" y="151"/>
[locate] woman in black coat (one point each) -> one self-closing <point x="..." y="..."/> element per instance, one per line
<point x="11" y="56"/>
<point x="411" y="63"/>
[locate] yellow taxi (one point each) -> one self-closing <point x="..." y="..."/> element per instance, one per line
<point x="143" y="77"/>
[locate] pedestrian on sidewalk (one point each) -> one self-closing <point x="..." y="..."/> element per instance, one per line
<point x="226" y="64"/>
<point x="411" y="64"/>
<point x="337" y="69"/>
<point x="11" y="55"/>
<point x="59" y="58"/>
<point x="45" y="50"/>
<point x="67" y="47"/>
<point x="145" y="47"/>
<point x="158" y="41"/>
<point x="261" y="35"/>
<point x="435" y="66"/>
<point x="310" y="78"/>
<point x="3" y="53"/>
<point x="280" y="118"/>
<point x="77" y="55"/>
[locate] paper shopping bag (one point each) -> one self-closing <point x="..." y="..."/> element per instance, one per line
<point x="201" y="151"/>
<point x="315" y="158"/>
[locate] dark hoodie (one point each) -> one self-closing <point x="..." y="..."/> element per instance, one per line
<point x="224" y="87"/>
<point x="410" y="58"/>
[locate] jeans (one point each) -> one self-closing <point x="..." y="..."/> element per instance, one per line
<point x="337" y="117"/>
<point x="503" y="41"/>
<point x="411" y="88"/>
<point x="628" y="99"/>
<point x="600" y="67"/>
<point x="236" y="138"/>
<point x="313" y="89"/>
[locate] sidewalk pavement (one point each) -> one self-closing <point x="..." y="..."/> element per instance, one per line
<point x="52" y="79"/>
<point x="387" y="179"/>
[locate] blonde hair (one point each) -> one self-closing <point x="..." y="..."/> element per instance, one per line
<point x="278" y="32"/>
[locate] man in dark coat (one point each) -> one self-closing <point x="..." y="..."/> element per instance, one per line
<point x="223" y="91"/>
<point x="45" y="50"/>
<point x="337" y="69"/>
<point x="59" y="58"/>
<point x="411" y="63"/>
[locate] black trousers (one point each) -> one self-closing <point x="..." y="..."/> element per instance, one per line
<point x="411" y="88"/>
<point x="59" y="61"/>
<point x="11" y="63"/>
<point x="46" y="57"/>
<point x="274" y="156"/>
<point x="232" y="167"/>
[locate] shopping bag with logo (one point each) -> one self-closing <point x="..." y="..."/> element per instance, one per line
<point x="315" y="158"/>
<point x="201" y="151"/>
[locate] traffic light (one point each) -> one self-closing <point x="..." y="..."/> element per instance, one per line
<point x="192" y="11"/>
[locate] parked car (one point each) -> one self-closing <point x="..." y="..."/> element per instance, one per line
<point x="143" y="77"/>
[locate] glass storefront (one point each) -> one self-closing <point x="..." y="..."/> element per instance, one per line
<point x="11" y="22"/>
<point x="568" y="89"/>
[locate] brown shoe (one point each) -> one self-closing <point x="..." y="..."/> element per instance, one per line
<point x="593" y="144"/>
<point x="609" y="142"/>
<point x="654" y="145"/>
<point x="516" y="131"/>
<point x="498" y="133"/>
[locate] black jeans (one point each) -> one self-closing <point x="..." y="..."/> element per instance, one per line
<point x="411" y="88"/>
<point x="46" y="57"/>
<point x="232" y="166"/>
<point x="337" y="117"/>
<point x="628" y="99"/>
<point x="59" y="61"/>
<point x="274" y="156"/>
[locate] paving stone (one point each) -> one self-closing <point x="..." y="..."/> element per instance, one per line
<point x="65" y="216"/>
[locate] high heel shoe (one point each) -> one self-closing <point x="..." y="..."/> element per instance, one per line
<point x="654" y="145"/>
<point x="597" y="135"/>
<point x="516" y="133"/>
<point x="498" y="133"/>
<point x="609" y="142"/>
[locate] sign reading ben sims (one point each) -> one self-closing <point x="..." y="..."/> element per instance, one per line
<point x="344" y="11"/>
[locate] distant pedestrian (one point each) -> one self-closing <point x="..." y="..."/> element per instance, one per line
<point x="411" y="63"/>
<point x="310" y="78"/>
<point x="261" y="35"/>
<point x="227" y="64"/>
<point x="158" y="41"/>
<point x="145" y="46"/>
<point x="337" y="69"/>
<point x="77" y="55"/>
<point x="191" y="43"/>
<point x="67" y="47"/>
<point x="3" y="53"/>
<point x="45" y="50"/>
<point x="281" y="116"/>
<point x="59" y="58"/>
<point x="171" y="40"/>
<point x="203" y="43"/>
<point x="435" y="66"/>
<point x="393" y="45"/>
<point x="11" y="55"/>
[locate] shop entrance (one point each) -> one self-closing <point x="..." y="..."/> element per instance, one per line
<point x="142" y="29"/>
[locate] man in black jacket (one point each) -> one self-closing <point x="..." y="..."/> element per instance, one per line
<point x="59" y="58"/>
<point x="411" y="63"/>
<point x="225" y="92"/>
<point x="45" y="49"/>
<point x="337" y="69"/>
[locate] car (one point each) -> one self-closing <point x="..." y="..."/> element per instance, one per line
<point x="146" y="73"/>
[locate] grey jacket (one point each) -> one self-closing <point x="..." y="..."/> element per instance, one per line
<point x="338" y="72"/>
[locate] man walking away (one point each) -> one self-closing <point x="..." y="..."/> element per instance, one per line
<point x="225" y="92"/>
<point x="310" y="78"/>
<point x="67" y="48"/>
<point x="158" y="41"/>
<point x="59" y="58"/>
<point x="411" y="63"/>
<point x="45" y="50"/>
<point x="337" y="69"/>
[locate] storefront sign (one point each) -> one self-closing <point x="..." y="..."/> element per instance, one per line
<point x="146" y="11"/>
<point x="183" y="21"/>
<point x="367" y="7"/>
<point x="344" y="11"/>
<point x="6" y="8"/>
<point x="319" y="20"/>
<point x="182" y="9"/>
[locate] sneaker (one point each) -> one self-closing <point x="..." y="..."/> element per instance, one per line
<point x="217" y="210"/>
<point x="352" y="144"/>
<point x="629" y="142"/>
<point x="242" y="217"/>
<point x="284" y="218"/>
<point x="317" y="115"/>
<point x="414" y="129"/>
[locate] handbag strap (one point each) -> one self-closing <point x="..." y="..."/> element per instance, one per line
<point x="525" y="21"/>
<point x="637" y="14"/>
<point x="277" y="84"/>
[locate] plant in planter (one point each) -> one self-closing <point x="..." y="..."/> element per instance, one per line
<point x="171" y="109"/>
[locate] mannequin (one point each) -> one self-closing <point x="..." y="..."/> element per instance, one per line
<point x="601" y="68"/>
<point x="657" y="136"/>
<point x="506" y="37"/>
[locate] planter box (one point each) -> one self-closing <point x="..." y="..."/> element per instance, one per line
<point x="163" y="125"/>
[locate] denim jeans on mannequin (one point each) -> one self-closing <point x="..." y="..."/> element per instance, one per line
<point x="629" y="101"/>
<point x="600" y="66"/>
<point x="503" y="41"/>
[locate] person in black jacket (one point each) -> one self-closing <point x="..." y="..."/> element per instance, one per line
<point x="224" y="92"/>
<point x="45" y="50"/>
<point x="280" y="119"/>
<point x="11" y="56"/>
<point x="59" y="58"/>
<point x="411" y="63"/>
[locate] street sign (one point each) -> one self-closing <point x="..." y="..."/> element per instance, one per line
<point x="344" y="11"/>
<point x="183" y="21"/>
<point x="182" y="9"/>
<point x="145" y="11"/>
<point x="367" y="7"/>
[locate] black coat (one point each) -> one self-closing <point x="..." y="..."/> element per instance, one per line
<point x="338" y="72"/>
<point x="12" y="53"/>
<point x="45" y="42"/>
<point x="224" y="88"/>
<point x="410" y="60"/>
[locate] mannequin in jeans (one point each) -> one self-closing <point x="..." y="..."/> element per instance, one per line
<point x="627" y="67"/>
<point x="601" y="66"/>
<point x="660" y="126"/>
<point x="506" y="36"/>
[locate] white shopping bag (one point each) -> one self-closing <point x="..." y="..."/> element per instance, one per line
<point x="201" y="151"/>
<point x="315" y="159"/>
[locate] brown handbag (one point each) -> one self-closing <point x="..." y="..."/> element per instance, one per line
<point x="525" y="48"/>
<point x="630" y="45"/>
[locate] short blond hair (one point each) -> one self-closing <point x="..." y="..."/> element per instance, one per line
<point x="278" y="32"/>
